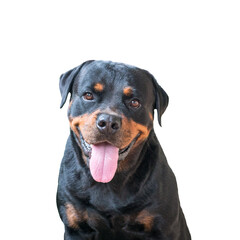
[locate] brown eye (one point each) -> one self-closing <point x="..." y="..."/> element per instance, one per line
<point x="135" y="103"/>
<point x="88" y="96"/>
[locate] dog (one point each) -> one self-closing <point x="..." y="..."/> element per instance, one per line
<point x="114" y="181"/>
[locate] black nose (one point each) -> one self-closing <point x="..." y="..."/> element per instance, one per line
<point x="108" y="124"/>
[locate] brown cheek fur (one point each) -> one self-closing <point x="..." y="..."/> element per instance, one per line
<point x="87" y="125"/>
<point x="99" y="87"/>
<point x="127" y="91"/>
<point x="129" y="130"/>
<point x="74" y="216"/>
<point x="132" y="128"/>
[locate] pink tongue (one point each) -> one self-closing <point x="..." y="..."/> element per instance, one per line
<point x="103" y="162"/>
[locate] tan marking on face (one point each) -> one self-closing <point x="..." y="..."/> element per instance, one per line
<point x="74" y="216"/>
<point x="145" y="218"/>
<point x="131" y="129"/>
<point x="86" y="124"/>
<point x="99" y="87"/>
<point x="128" y="91"/>
<point x="151" y="116"/>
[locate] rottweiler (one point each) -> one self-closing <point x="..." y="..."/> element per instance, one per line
<point x="114" y="181"/>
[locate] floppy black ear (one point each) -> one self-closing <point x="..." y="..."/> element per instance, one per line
<point x="161" y="100"/>
<point x="66" y="82"/>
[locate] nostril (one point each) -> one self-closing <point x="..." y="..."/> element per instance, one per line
<point x="102" y="124"/>
<point x="108" y="124"/>
<point x="115" y="126"/>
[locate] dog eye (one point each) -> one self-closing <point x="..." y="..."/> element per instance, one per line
<point x="88" y="96"/>
<point x="135" y="103"/>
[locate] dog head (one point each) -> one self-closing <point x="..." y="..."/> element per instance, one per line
<point x="110" y="112"/>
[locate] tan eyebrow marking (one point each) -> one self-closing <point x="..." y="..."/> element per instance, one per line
<point x="128" y="91"/>
<point x="99" y="87"/>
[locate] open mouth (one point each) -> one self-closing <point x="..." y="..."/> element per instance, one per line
<point x="103" y="158"/>
<point x="87" y="149"/>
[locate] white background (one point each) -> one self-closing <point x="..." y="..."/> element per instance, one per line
<point x="193" y="50"/>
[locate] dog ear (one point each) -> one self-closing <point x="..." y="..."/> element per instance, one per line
<point x="66" y="82"/>
<point x="161" y="100"/>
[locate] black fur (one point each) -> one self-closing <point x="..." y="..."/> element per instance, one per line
<point x="141" y="202"/>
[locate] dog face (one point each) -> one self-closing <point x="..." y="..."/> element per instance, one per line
<point x="110" y="112"/>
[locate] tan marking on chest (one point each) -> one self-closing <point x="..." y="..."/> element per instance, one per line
<point x="74" y="216"/>
<point x="145" y="218"/>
